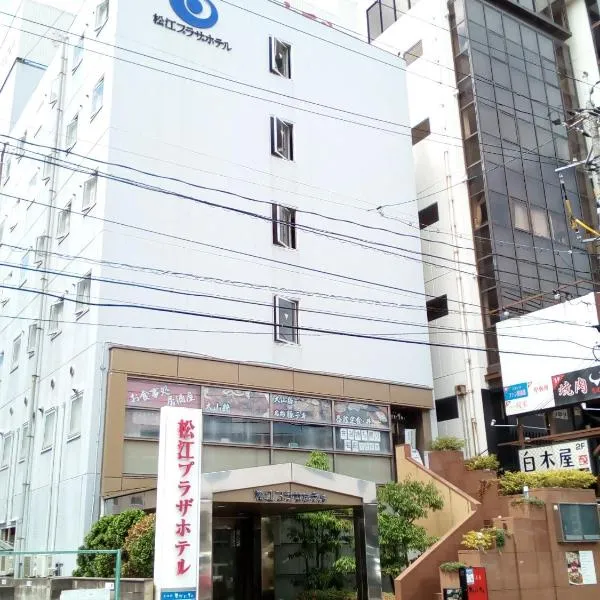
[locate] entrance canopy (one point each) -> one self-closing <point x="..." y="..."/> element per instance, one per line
<point x="281" y="489"/>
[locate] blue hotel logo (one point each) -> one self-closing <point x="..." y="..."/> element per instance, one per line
<point x="202" y="14"/>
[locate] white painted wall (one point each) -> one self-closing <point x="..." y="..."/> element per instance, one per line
<point x="161" y="123"/>
<point x="554" y="340"/>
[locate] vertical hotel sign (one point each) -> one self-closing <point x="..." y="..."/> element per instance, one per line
<point x="177" y="544"/>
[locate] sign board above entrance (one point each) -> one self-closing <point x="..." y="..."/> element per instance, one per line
<point x="280" y="497"/>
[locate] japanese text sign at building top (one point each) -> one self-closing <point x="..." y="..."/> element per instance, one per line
<point x="366" y="415"/>
<point x="294" y="408"/>
<point x="235" y="403"/>
<point x="576" y="386"/>
<point x="178" y="499"/>
<point x="156" y="394"/>
<point x="567" y="455"/>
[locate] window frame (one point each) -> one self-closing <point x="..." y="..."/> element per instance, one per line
<point x="86" y="206"/>
<point x="418" y="133"/>
<point x="432" y="212"/>
<point x="431" y="307"/>
<point x="54" y="320"/>
<point x="104" y="6"/>
<point x="517" y="203"/>
<point x="32" y="339"/>
<point x="286" y="72"/>
<point x="63" y="225"/>
<point x="78" y="49"/>
<point x="409" y="56"/>
<point x="24" y="268"/>
<point x="82" y="302"/>
<point x="6" y="460"/>
<point x="46" y="447"/>
<point x="72" y="126"/>
<point x="295" y="326"/>
<point x="71" y="434"/>
<point x="24" y="442"/>
<point x="95" y="96"/>
<point x="41" y="247"/>
<point x="47" y="170"/>
<point x="281" y="224"/>
<point x="276" y="149"/>
<point x="16" y="352"/>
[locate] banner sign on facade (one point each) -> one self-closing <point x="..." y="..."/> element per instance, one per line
<point x="294" y="408"/>
<point x="528" y="397"/>
<point x="142" y="393"/>
<point x="576" y="386"/>
<point x="567" y="455"/>
<point x="177" y="544"/>
<point x="580" y="568"/>
<point x="367" y="415"/>
<point x="236" y="403"/>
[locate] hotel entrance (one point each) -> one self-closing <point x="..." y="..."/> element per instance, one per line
<point x="246" y="519"/>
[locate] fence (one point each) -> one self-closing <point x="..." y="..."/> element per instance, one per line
<point x="40" y="564"/>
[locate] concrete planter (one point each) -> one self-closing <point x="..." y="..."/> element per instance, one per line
<point x="449" y="579"/>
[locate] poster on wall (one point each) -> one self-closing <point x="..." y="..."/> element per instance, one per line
<point x="294" y="408"/>
<point x="368" y="415"/>
<point x="143" y="393"/>
<point x="235" y="403"/>
<point x="581" y="569"/>
<point x="528" y="397"/>
<point x="576" y="386"/>
<point x="565" y="455"/>
<point x="363" y="441"/>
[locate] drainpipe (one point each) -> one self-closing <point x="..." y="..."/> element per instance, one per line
<point x="35" y="383"/>
<point x="469" y="399"/>
<point x="56" y="460"/>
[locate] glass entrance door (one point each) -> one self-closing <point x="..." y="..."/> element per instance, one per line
<point x="233" y="559"/>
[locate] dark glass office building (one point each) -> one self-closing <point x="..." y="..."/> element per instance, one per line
<point x="515" y="88"/>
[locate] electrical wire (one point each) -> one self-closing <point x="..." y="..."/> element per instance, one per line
<point x="377" y="246"/>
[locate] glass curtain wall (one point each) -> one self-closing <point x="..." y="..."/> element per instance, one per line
<point x="514" y="87"/>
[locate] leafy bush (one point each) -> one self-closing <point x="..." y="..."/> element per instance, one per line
<point x="452" y="567"/>
<point x="447" y="443"/>
<point x="482" y="540"/>
<point x="513" y="482"/>
<point x="531" y="500"/>
<point x="481" y="463"/>
<point x="335" y="595"/>
<point x="139" y="546"/>
<point x="108" y="533"/>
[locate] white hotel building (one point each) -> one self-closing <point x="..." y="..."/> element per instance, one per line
<point x="195" y="207"/>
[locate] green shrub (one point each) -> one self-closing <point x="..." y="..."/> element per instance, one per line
<point x="481" y="463"/>
<point x="513" y="482"/>
<point x="484" y="539"/>
<point x="452" y="567"/>
<point x="447" y="443"/>
<point x="139" y="547"/>
<point x="108" y="533"/>
<point x="327" y="595"/>
<point x="531" y="500"/>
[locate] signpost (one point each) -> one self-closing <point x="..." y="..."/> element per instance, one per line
<point x="177" y="544"/>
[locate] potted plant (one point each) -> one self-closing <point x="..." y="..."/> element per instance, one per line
<point x="449" y="577"/>
<point x="482" y="463"/>
<point x="447" y="444"/>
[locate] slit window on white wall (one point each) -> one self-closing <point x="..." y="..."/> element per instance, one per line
<point x="282" y="139"/>
<point x="49" y="429"/>
<point x="71" y="135"/>
<point x="24" y="442"/>
<point x="98" y="97"/>
<point x="281" y="58"/>
<point x="16" y="352"/>
<point x="78" y="53"/>
<point x="64" y="222"/>
<point x="89" y="193"/>
<point x="24" y="270"/>
<point x="55" y="321"/>
<point x="41" y="247"/>
<point x="7" y="444"/>
<point x="32" y="339"/>
<point x="84" y="287"/>
<point x="7" y="166"/>
<point x="101" y="14"/>
<point x="75" y="415"/>
<point x="284" y="226"/>
<point x="47" y="172"/>
<point x="286" y="320"/>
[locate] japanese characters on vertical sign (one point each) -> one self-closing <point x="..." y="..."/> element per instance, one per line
<point x="576" y="386"/>
<point x="567" y="455"/>
<point x="178" y="500"/>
